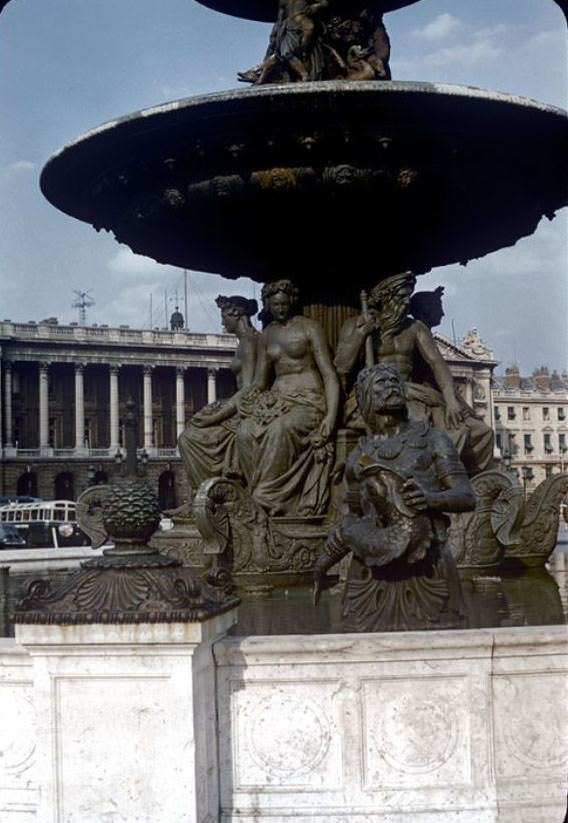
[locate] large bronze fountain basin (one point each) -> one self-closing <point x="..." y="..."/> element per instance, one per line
<point x="266" y="10"/>
<point x="319" y="180"/>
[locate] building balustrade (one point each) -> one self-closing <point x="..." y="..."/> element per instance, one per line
<point x="100" y="452"/>
<point x="71" y="453"/>
<point x="153" y="337"/>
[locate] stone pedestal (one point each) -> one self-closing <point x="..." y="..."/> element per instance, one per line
<point x="409" y="727"/>
<point x="18" y="767"/>
<point x="126" y="721"/>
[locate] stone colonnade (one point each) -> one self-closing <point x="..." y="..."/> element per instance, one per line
<point x="6" y="407"/>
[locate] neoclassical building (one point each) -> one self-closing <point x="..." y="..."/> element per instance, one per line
<point x="531" y="422"/>
<point x="472" y="365"/>
<point x="64" y="394"/>
<point x="64" y="391"/>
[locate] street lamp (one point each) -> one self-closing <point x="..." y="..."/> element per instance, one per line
<point x="527" y="474"/>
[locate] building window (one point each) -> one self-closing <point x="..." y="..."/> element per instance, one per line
<point x="528" y="444"/>
<point x="497" y="413"/>
<point x="498" y="440"/>
<point x="526" y="413"/>
<point x="548" y="471"/>
<point x="511" y="413"/>
<point x="547" y="443"/>
<point x="513" y="448"/>
<point x="561" y="413"/>
<point x="157" y="432"/>
<point x="88" y="433"/>
<point x="545" y="413"/>
<point x="562" y="443"/>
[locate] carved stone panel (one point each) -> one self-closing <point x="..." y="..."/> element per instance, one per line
<point x="416" y="732"/>
<point x="107" y="743"/>
<point x="531" y="725"/>
<point x="286" y="734"/>
<point x="17" y="738"/>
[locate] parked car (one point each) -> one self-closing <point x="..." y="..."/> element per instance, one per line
<point x="10" y="537"/>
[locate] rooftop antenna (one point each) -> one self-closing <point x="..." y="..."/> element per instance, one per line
<point x="82" y="302"/>
<point x="186" y="300"/>
<point x="454" y="334"/>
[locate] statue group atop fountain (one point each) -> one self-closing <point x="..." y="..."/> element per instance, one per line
<point x="268" y="455"/>
<point x="325" y="40"/>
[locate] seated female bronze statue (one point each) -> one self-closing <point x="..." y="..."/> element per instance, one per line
<point x="207" y="444"/>
<point x="288" y="417"/>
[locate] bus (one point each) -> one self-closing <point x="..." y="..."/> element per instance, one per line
<point x="45" y="524"/>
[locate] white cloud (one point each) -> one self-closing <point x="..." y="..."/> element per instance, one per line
<point x="21" y="166"/>
<point x="138" y="282"/>
<point x="175" y="92"/>
<point x="472" y="54"/>
<point x="127" y="264"/>
<point x="539" y="254"/>
<point x="129" y="306"/>
<point x="491" y="31"/>
<point x="442" y="25"/>
<point x="544" y="39"/>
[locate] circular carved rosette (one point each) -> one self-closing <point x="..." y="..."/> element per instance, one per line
<point x="288" y="738"/>
<point x="537" y="736"/>
<point x="417" y="736"/>
<point x="17" y="740"/>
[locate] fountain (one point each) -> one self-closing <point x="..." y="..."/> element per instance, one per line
<point x="326" y="173"/>
<point x="330" y="186"/>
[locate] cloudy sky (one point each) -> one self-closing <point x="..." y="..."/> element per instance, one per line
<point x="69" y="65"/>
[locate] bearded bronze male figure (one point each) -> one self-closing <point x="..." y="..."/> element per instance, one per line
<point x="401" y="480"/>
<point x="387" y="334"/>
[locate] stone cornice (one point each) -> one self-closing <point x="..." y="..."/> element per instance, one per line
<point x="101" y="345"/>
<point x="454" y="352"/>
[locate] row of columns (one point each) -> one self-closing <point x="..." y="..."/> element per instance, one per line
<point x="113" y="403"/>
